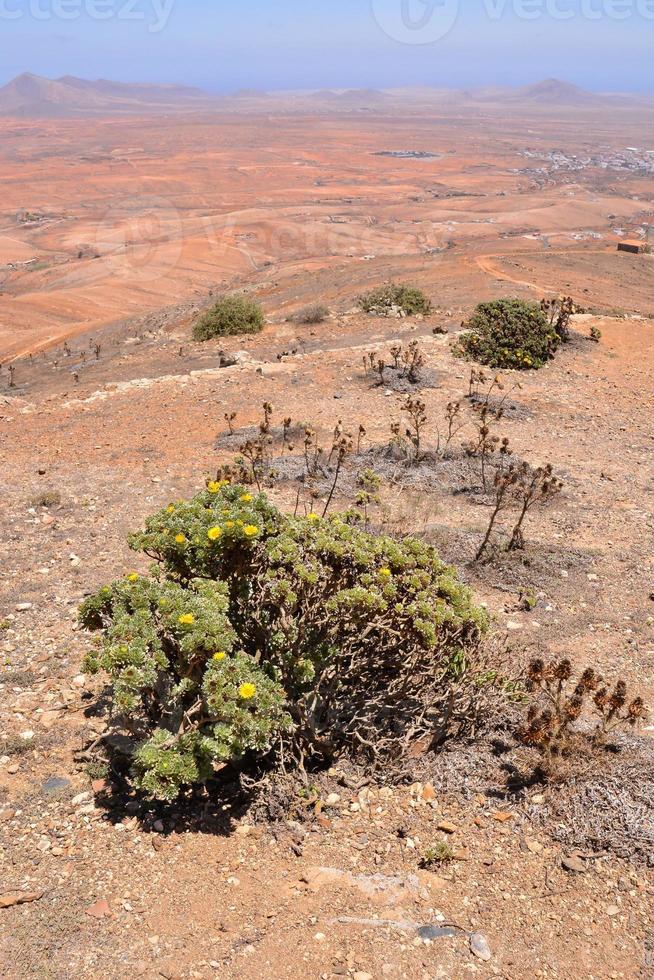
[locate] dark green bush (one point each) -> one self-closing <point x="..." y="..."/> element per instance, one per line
<point x="256" y="626"/>
<point x="228" y="316"/>
<point x="407" y="299"/>
<point x="509" y="333"/>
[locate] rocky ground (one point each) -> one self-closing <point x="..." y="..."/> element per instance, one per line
<point x="90" y="887"/>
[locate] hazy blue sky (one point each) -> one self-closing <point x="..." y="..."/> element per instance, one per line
<point x="222" y="45"/>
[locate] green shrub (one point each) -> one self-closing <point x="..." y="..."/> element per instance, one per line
<point x="439" y="853"/>
<point x="406" y="299"/>
<point x="228" y="316"/>
<point x="509" y="333"/>
<point x="253" y="624"/>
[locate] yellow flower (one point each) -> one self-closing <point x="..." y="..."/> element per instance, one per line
<point x="219" y="656"/>
<point x="214" y="533"/>
<point x="312" y="517"/>
<point x="213" y="486"/>
<point x="180" y="538"/>
<point x="170" y="509"/>
<point x="247" y="691"/>
<point x="246" y="498"/>
<point x="229" y="523"/>
<point x="250" y="530"/>
<point x="186" y="619"/>
<point x="386" y="572"/>
<point x="132" y="577"/>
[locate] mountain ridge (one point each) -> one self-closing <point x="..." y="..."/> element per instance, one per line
<point x="33" y="95"/>
<point x="30" y="95"/>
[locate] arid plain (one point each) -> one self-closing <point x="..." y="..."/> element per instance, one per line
<point x="103" y="219"/>
<point x="115" y="232"/>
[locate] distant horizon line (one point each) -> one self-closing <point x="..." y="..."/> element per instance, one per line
<point x="226" y="93"/>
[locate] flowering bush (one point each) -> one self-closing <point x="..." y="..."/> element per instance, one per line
<point x="509" y="333"/>
<point x="255" y="626"/>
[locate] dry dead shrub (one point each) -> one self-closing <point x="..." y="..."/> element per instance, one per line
<point x="561" y="702"/>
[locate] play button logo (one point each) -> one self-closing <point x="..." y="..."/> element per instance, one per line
<point x="416" y="21"/>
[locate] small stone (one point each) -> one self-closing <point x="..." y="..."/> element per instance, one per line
<point x="99" y="909"/>
<point x="333" y="799"/>
<point x="511" y="625"/>
<point x="79" y="680"/>
<point x="54" y="784"/>
<point x="479" y="946"/>
<point x="447" y="827"/>
<point x="170" y="972"/>
<point x="613" y="910"/>
<point x="23" y="606"/>
<point x="320" y="937"/>
<point x="428" y="793"/>
<point x="49" y="719"/>
<point x="27" y="736"/>
<point x="87" y="808"/>
<point x="538" y="799"/>
<point x="533" y="846"/>
<point x="80" y="798"/>
<point x="99" y="785"/>
<point x="18" y="898"/>
<point x="502" y="817"/>
<point x="360" y="975"/>
<point x="573" y="863"/>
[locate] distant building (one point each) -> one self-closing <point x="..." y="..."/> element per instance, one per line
<point x="636" y="248"/>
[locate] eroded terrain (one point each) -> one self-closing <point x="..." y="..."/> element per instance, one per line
<point x="106" y="436"/>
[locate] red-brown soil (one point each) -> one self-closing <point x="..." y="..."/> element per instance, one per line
<point x="105" y="219"/>
<point x="118" y="435"/>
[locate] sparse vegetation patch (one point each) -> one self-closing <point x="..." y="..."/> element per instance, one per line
<point x="395" y="299"/>
<point x="315" y="313"/>
<point x="229" y="316"/>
